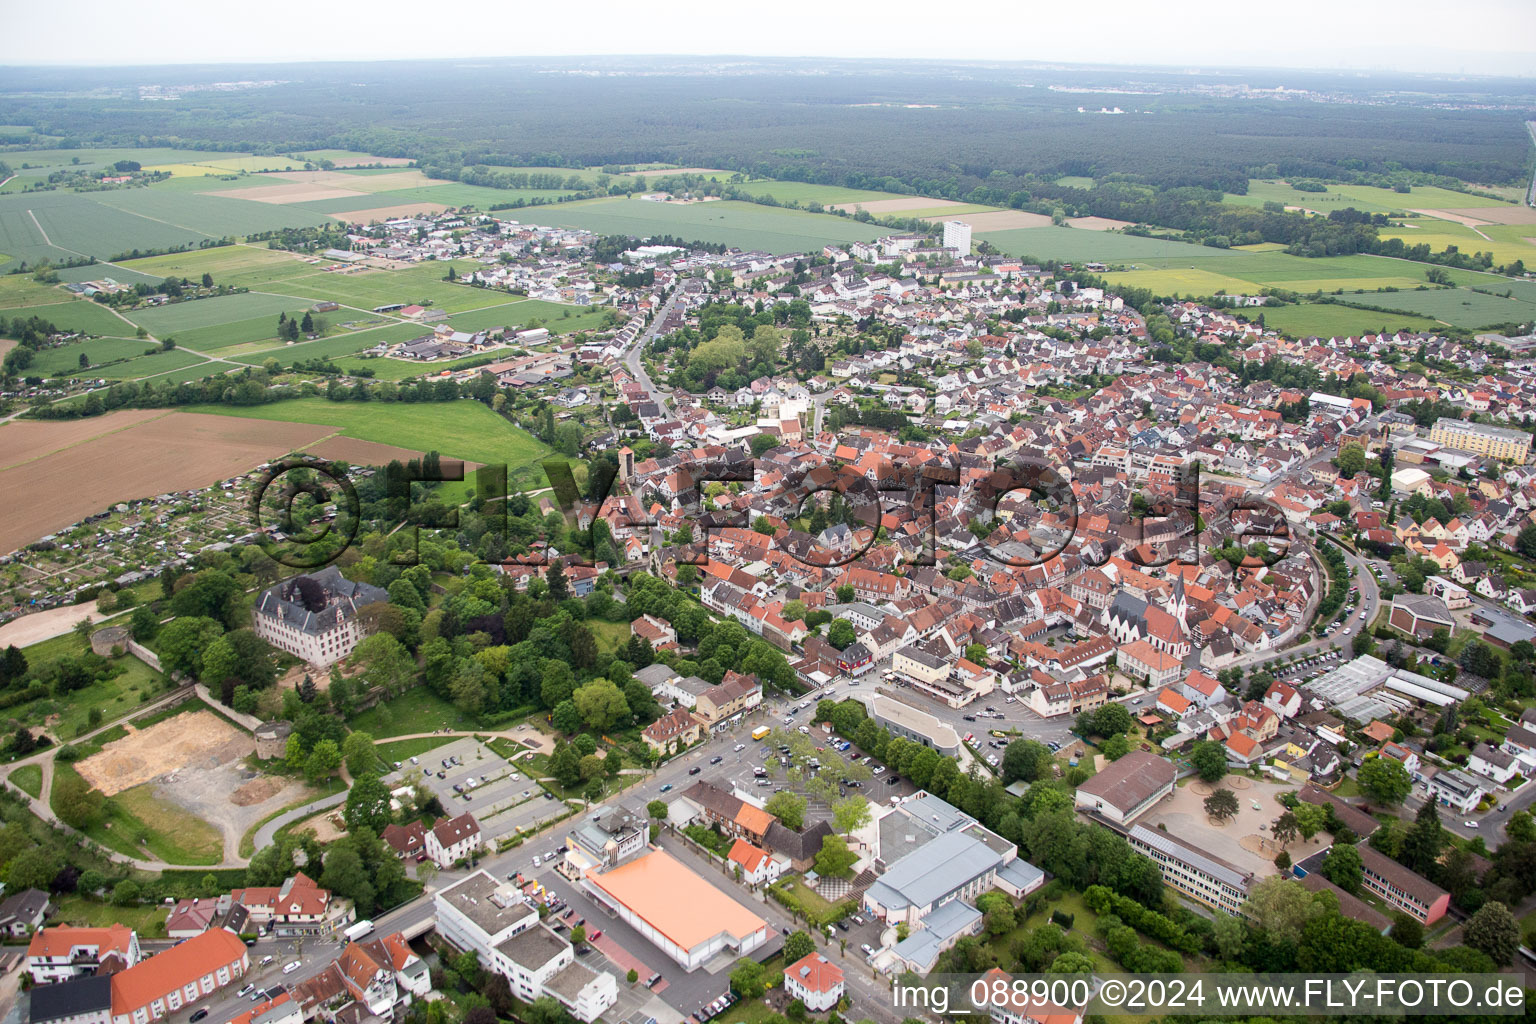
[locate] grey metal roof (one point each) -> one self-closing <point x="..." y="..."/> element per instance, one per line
<point x="341" y="595"/>
<point x="933" y="871"/>
<point x="71" y="998"/>
<point x="1217" y="869"/>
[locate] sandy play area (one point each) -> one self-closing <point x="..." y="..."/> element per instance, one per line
<point x="1244" y="840"/>
<point x="193" y="740"/>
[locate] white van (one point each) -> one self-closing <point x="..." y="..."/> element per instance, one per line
<point x="290" y="966"/>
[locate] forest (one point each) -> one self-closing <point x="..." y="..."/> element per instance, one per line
<point x="942" y="130"/>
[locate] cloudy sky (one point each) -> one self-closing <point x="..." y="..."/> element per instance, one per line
<point x="1468" y="36"/>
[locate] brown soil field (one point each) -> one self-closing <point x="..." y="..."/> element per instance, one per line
<point x="6" y="344"/>
<point x="383" y="213"/>
<point x="1466" y="218"/>
<point x="359" y="182"/>
<point x="1003" y="220"/>
<point x="25" y="440"/>
<point x="190" y="741"/>
<point x="297" y="192"/>
<point x="91" y="464"/>
<point x="1097" y="223"/>
<point x="883" y="206"/>
<point x="1496" y="214"/>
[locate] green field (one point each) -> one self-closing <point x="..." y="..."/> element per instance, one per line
<point x="340" y="344"/>
<point x="115" y="697"/>
<point x="64" y="361"/>
<point x="76" y="315"/>
<point x="1457" y="306"/>
<point x="59" y="225"/>
<point x="22" y="290"/>
<point x="1075" y="181"/>
<point x="1326" y="319"/>
<point x="560" y="319"/>
<point x="1365" y="198"/>
<point x="1505" y="242"/>
<point x="140" y="824"/>
<point x="746" y="225"/>
<point x="153" y="365"/>
<point x="176" y="317"/>
<point x="805" y="193"/>
<point x="463" y="429"/>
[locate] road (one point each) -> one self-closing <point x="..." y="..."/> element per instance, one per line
<point x="637" y="348"/>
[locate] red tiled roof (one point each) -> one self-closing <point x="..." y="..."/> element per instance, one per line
<point x="170" y="969"/>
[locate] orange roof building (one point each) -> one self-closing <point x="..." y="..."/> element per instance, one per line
<point x="685" y="916"/>
<point x="815" y="981"/>
<point x="184" y="974"/>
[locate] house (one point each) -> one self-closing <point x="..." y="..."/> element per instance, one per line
<point x="1283" y="699"/>
<point x="1495" y="764"/>
<point x="453" y="839"/>
<point x="1455" y="788"/>
<point x="1126" y="789"/>
<point x="24" y="912"/>
<point x="1020" y="1006"/>
<point x="756" y="865"/>
<point x="408" y="841"/>
<point x="815" y="981"/>
<point x="1140" y="658"/>
<point x="86" y="1000"/>
<point x="64" y="952"/>
<point x="297" y="907"/>
<point x="672" y="732"/>
<point x="855" y="659"/>
<point x="735" y="695"/>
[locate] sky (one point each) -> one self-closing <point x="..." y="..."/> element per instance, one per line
<point x="1477" y="37"/>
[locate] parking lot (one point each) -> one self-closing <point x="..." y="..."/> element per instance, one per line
<point x="466" y="775"/>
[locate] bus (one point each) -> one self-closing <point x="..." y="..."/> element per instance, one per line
<point x="760" y="732"/>
<point x="357" y="931"/>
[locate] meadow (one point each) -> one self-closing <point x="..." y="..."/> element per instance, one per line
<point x="1327" y="319"/>
<point x="1365" y="198"/>
<point x="462" y="430"/>
<point x="76" y="315"/>
<point x="1459" y="307"/>
<point x="805" y="193"/>
<point x="215" y="311"/>
<point x="65" y="359"/>
<point x="745" y="225"/>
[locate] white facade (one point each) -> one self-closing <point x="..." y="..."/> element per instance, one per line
<point x="957" y="235"/>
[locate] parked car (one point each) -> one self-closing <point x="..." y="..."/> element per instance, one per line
<point x="716" y="759"/>
<point x="694" y="770"/>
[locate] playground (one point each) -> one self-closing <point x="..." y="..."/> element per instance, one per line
<point x="1244" y="840"/>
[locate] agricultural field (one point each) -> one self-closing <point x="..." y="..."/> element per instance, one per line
<point x="1505" y="242"/>
<point x="731" y="223"/>
<point x="64" y="360"/>
<point x="1365" y="198"/>
<point x="805" y="193"/>
<point x="213" y="312"/>
<point x="154" y="365"/>
<point x="76" y="315"/>
<point x="1459" y="307"/>
<point x="22" y="290"/>
<point x="461" y="430"/>
<point x="1326" y="319"/>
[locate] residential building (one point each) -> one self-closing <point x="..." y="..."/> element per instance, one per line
<point x="957" y="236"/>
<point x="757" y="866"/>
<point x="736" y="695"/>
<point x="453" y="839"/>
<point x="815" y="981"/>
<point x="64" y="952"/>
<point x="297" y="907"/>
<point x="1020" y="1007"/>
<point x="86" y="1000"/>
<point x="24" y="912"/>
<point x="673" y="731"/>
<point x="177" y="977"/>
<point x="1504" y="443"/>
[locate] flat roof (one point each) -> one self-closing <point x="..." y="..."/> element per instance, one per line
<point x="679" y="904"/>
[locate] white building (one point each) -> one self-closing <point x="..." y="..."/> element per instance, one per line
<point x="815" y="981"/>
<point x="315" y="617"/>
<point x="453" y="839"/>
<point x="957" y="236"/>
<point x="493" y="919"/>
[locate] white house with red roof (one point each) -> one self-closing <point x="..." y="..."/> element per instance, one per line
<point x="1282" y="699"/>
<point x="757" y="866"/>
<point x="64" y="952"/>
<point x="453" y="839"/>
<point x="815" y="981"/>
<point x="297" y="907"/>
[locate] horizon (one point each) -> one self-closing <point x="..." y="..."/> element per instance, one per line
<point x="1369" y="37"/>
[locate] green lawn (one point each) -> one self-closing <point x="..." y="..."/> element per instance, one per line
<point x="64" y="361"/>
<point x="402" y="750"/>
<point x="1327" y="319"/>
<point x="138" y="823"/>
<point x="77" y="315"/>
<point x="148" y="921"/>
<point x="219" y="310"/>
<point x="417" y="710"/>
<point x="462" y="429"/>
<point x="117" y="696"/>
<point x="610" y="635"/>
<point x="29" y="779"/>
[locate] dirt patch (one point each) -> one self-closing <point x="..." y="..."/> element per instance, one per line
<point x="359" y="182"/>
<point x="192" y="741"/>
<point x="39" y="626"/>
<point x="282" y="195"/>
<point x="140" y="456"/>
<point x="256" y="791"/>
<point x="883" y="206"/>
<point x="384" y="213"/>
<point x="1000" y="220"/>
<point x="1470" y="219"/>
<point x="1097" y="223"/>
<point x="326" y="826"/>
<point x="1490" y="214"/>
<point x="25" y="440"/>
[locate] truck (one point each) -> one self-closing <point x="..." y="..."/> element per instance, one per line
<point x="358" y="930"/>
<point x="760" y="732"/>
